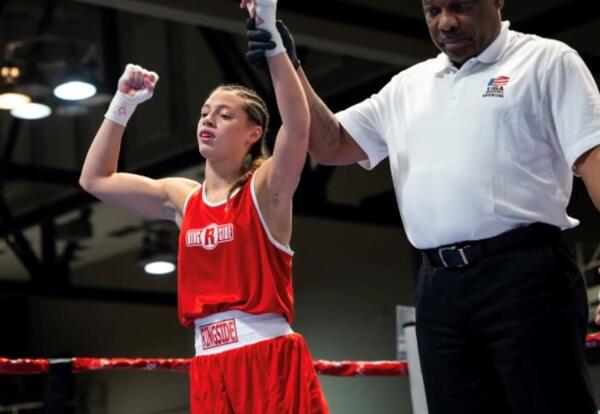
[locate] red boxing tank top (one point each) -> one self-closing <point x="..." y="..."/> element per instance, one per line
<point x="228" y="259"/>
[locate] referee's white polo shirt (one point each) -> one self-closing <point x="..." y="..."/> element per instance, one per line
<point x="481" y="150"/>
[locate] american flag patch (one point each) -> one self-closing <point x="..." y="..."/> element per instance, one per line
<point x="499" y="82"/>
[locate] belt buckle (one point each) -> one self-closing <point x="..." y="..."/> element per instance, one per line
<point x="461" y="252"/>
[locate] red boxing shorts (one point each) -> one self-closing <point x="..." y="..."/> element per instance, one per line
<point x="273" y="376"/>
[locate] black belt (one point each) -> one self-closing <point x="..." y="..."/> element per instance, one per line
<point x="466" y="253"/>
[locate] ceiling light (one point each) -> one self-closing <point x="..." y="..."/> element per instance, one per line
<point x="159" y="246"/>
<point x="11" y="100"/>
<point x="159" y="267"/>
<point x="10" y="72"/>
<point x="77" y="82"/>
<point x="31" y="110"/>
<point x="10" y="97"/>
<point x="25" y="70"/>
<point x="75" y="90"/>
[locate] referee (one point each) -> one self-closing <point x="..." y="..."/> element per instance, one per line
<point x="483" y="142"/>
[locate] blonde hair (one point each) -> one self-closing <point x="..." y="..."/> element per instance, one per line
<point x="257" y="112"/>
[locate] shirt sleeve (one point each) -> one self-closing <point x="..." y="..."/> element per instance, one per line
<point x="365" y="124"/>
<point x="575" y="106"/>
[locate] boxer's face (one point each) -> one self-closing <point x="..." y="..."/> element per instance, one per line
<point x="462" y="29"/>
<point x="224" y="129"/>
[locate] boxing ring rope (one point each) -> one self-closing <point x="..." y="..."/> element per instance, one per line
<point x="407" y="356"/>
<point x="79" y="365"/>
<point x="323" y="367"/>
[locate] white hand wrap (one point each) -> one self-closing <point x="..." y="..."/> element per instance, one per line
<point x="266" y="11"/>
<point x="122" y="106"/>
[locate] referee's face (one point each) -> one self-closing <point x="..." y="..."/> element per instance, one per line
<point x="463" y="28"/>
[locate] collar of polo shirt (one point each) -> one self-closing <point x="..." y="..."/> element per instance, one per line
<point x="491" y="54"/>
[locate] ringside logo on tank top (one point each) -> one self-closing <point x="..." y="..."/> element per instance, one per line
<point x="210" y="236"/>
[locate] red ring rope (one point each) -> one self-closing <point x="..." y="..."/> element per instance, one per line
<point x="336" y="368"/>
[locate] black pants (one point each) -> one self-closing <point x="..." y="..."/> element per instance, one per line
<point x="505" y="334"/>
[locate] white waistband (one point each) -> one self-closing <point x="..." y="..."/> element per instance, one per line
<point x="233" y="329"/>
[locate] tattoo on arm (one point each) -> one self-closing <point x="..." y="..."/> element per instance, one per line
<point x="324" y="123"/>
